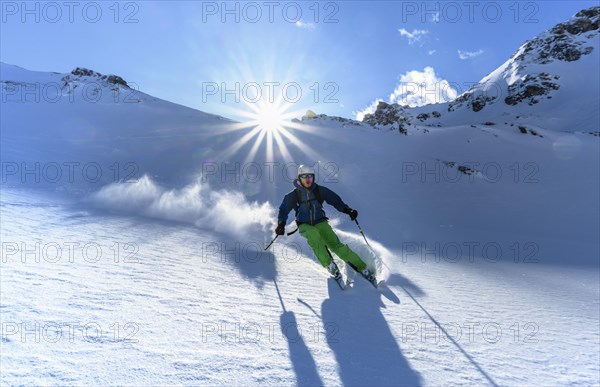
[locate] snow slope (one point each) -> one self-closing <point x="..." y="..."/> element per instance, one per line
<point x="153" y="270"/>
<point x="67" y="118"/>
<point x="173" y="309"/>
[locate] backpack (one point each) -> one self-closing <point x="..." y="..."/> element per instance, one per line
<point x="317" y="195"/>
<point x="300" y="201"/>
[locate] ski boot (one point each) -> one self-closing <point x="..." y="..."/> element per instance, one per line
<point x="337" y="275"/>
<point x="334" y="270"/>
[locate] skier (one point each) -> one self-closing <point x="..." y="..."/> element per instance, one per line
<point x="307" y="199"/>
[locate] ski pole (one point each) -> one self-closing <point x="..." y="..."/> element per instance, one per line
<point x="363" y="234"/>
<point x="271" y="242"/>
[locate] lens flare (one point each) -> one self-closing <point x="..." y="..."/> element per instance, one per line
<point x="270" y="118"/>
<point x="269" y="126"/>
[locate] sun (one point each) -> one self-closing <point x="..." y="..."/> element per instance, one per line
<point x="270" y="118"/>
<point x="270" y="125"/>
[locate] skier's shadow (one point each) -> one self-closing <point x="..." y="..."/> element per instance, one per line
<point x="258" y="266"/>
<point x="365" y="348"/>
<point x="251" y="260"/>
<point x="396" y="279"/>
<point x="304" y="365"/>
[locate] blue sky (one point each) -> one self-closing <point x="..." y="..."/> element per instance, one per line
<point x="332" y="57"/>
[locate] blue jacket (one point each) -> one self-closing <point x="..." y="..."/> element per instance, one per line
<point x="310" y="210"/>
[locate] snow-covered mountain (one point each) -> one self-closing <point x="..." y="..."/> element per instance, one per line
<point x="549" y="83"/>
<point x="144" y="264"/>
<point x="84" y="116"/>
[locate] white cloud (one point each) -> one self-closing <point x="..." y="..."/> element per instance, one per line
<point x="435" y="17"/>
<point x="368" y="110"/>
<point x="418" y="88"/>
<point x="431" y="52"/>
<point x="469" y="54"/>
<point x="414" y="36"/>
<point x="305" y="25"/>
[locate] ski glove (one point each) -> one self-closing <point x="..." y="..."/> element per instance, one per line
<point x="353" y="213"/>
<point x="280" y="230"/>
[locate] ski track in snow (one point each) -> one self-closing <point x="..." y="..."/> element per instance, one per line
<point x="188" y="316"/>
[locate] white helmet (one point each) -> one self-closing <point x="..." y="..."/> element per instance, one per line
<point x="302" y="169"/>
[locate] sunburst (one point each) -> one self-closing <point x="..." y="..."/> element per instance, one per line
<point x="270" y="123"/>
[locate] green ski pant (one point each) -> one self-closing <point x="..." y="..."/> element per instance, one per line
<point x="321" y="236"/>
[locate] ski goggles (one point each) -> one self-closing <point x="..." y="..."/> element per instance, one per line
<point x="307" y="176"/>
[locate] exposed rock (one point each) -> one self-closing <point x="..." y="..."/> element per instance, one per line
<point x="310" y="114"/>
<point x="459" y="101"/>
<point x="479" y="103"/>
<point x="117" y="80"/>
<point x="524" y="130"/>
<point x="563" y="42"/>
<point x="475" y="103"/>
<point x="529" y="88"/>
<point x="313" y="116"/>
<point x="560" y="43"/>
<point x="83" y="72"/>
<point x="464" y="169"/>
<point x="392" y="116"/>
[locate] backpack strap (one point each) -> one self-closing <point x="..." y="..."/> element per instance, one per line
<point x="298" y="196"/>
<point x="318" y="195"/>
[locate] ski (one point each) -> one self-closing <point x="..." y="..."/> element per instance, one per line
<point x="370" y="278"/>
<point x="344" y="284"/>
<point x="336" y="274"/>
<point x="339" y="279"/>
